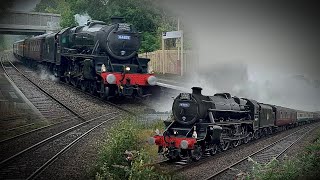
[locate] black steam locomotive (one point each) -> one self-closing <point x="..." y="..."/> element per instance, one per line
<point x="97" y="57"/>
<point x="203" y="124"/>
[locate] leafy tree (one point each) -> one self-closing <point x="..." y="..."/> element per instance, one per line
<point x="149" y="42"/>
<point x="59" y="7"/>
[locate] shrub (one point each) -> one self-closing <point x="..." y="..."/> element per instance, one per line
<point x="129" y="136"/>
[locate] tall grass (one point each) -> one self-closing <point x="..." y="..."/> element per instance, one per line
<point x="129" y="135"/>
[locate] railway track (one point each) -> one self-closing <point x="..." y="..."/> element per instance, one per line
<point x="31" y="161"/>
<point x="27" y="154"/>
<point x="179" y="166"/>
<point x="51" y="122"/>
<point x="122" y="107"/>
<point x="262" y="156"/>
<point x="40" y="98"/>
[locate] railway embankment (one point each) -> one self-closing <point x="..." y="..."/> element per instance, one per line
<point x="302" y="162"/>
<point x="126" y="155"/>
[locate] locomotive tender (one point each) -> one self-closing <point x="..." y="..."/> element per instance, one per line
<point x="97" y="57"/>
<point x="206" y="123"/>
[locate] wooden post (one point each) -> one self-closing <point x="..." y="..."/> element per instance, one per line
<point x="178" y="46"/>
<point x="182" y="63"/>
<point x="163" y="61"/>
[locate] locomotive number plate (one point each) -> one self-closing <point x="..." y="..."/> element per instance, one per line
<point x="124" y="37"/>
<point x="185" y="105"/>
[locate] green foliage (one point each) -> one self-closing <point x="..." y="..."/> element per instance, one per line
<point x="127" y="135"/>
<point x="305" y="166"/>
<point x="149" y="42"/>
<point x="62" y="7"/>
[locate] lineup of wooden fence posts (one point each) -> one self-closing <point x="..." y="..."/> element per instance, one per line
<point x="170" y="61"/>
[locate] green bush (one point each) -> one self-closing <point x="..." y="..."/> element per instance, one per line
<point x="128" y="135"/>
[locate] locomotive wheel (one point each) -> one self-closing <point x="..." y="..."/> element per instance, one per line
<point x="74" y="82"/>
<point x="196" y="153"/>
<point x="236" y="143"/>
<point x="55" y="71"/>
<point x="104" y="91"/>
<point x="173" y="155"/>
<point x="247" y="138"/>
<point x="269" y="131"/>
<point x="93" y="88"/>
<point x="213" y="148"/>
<point x="225" y="145"/>
<point x="67" y="79"/>
<point x="83" y="85"/>
<point x="257" y="134"/>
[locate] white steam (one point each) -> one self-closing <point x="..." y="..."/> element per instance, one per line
<point x="82" y="19"/>
<point x="253" y="50"/>
<point x="293" y="91"/>
<point x="45" y="75"/>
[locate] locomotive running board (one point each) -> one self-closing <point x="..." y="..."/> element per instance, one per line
<point x="220" y="110"/>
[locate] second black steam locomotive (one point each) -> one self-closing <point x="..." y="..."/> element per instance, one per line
<point x="203" y="124"/>
<point x="98" y="57"/>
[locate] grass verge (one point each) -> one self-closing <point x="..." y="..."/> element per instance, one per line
<point x="305" y="166"/>
<point x="127" y="138"/>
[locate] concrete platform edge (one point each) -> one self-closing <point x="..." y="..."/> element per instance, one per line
<point x="24" y="98"/>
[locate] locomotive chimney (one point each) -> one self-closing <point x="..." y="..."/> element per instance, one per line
<point x="196" y="90"/>
<point x="117" y="19"/>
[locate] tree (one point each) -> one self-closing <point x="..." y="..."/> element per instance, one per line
<point x="58" y="7"/>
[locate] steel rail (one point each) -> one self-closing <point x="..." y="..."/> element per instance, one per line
<point x="264" y="148"/>
<point x="41" y="89"/>
<point x="54" y="158"/>
<point x="50" y="139"/>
